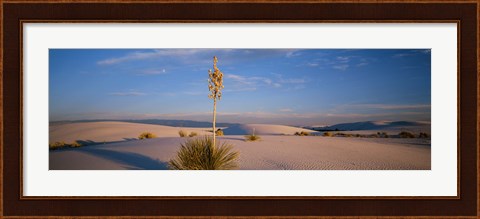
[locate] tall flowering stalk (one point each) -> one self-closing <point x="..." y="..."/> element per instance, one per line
<point x="215" y="85"/>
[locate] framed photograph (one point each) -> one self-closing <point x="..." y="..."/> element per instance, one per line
<point x="231" y="109"/>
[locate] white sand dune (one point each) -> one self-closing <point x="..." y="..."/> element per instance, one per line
<point x="263" y="129"/>
<point x="112" y="131"/>
<point x="273" y="152"/>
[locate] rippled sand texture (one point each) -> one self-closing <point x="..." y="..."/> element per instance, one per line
<point x="275" y="151"/>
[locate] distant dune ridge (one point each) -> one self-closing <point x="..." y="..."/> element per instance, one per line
<point x="263" y="129"/>
<point x="114" y="145"/>
<point x="379" y="125"/>
<point x="166" y="122"/>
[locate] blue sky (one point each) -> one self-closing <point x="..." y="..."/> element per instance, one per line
<point x="279" y="86"/>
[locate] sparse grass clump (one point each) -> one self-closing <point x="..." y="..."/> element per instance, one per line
<point x="193" y="134"/>
<point x="342" y="135"/>
<point x="405" y="134"/>
<point x="219" y="132"/>
<point x="146" y="135"/>
<point x="302" y="133"/>
<point x="62" y="144"/>
<point x="182" y="133"/>
<point x="201" y="154"/>
<point x="57" y="145"/>
<point x="327" y="134"/>
<point x="423" y="135"/>
<point x="252" y="138"/>
<point x="382" y="134"/>
<point x="75" y="144"/>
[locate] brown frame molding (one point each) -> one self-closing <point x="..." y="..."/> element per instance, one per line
<point x="215" y="205"/>
<point x="22" y="197"/>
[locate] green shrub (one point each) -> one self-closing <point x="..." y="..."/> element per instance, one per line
<point x="219" y="132"/>
<point x="193" y="134"/>
<point x="423" y="135"/>
<point x="146" y="135"/>
<point x="327" y="134"/>
<point x="406" y="135"/>
<point x="182" y="133"/>
<point x="252" y="137"/>
<point x="200" y="154"/>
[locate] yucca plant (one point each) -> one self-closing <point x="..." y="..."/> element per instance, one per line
<point x="201" y="154"/>
<point x="252" y="137"/>
<point x="215" y="85"/>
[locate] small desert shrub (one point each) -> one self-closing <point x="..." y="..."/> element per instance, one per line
<point x="146" y="135"/>
<point x="182" y="133"/>
<point x="327" y="134"/>
<point x="200" y="154"/>
<point x="342" y="135"/>
<point x="252" y="137"/>
<point x="193" y="134"/>
<point x="57" y="145"/>
<point x="423" y="135"/>
<point x="302" y="133"/>
<point x="219" y="132"/>
<point x="406" y="135"/>
<point x="75" y="144"/>
<point x="373" y="136"/>
<point x="382" y="134"/>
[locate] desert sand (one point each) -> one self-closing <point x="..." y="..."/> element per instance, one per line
<point x="114" y="147"/>
<point x="100" y="132"/>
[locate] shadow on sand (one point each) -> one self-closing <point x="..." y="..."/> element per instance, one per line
<point x="90" y="142"/>
<point x="132" y="161"/>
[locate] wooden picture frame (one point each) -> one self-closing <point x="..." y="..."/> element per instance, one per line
<point x="14" y="13"/>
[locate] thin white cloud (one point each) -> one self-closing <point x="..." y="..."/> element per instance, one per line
<point x="411" y="53"/>
<point x="128" y="93"/>
<point x="292" y="53"/>
<point x="386" y="106"/>
<point x="244" y="83"/>
<point x="394" y="106"/>
<point x="195" y="93"/>
<point x="186" y="55"/>
<point x="153" y="72"/>
<point x="150" y="54"/>
<point x="286" y="110"/>
<point x="344" y="59"/>
<point x="401" y="55"/>
<point x="341" y="67"/>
